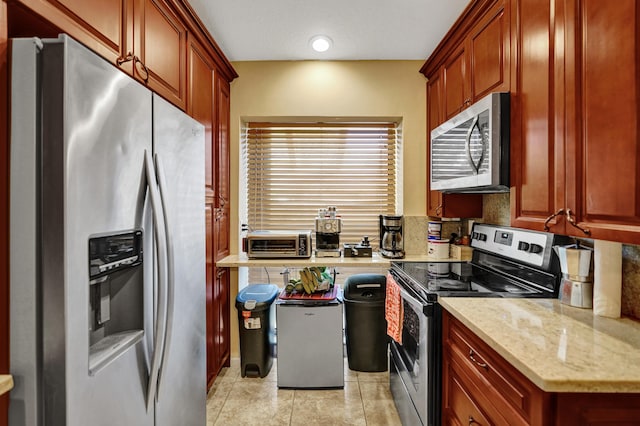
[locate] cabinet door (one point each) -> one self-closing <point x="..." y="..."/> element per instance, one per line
<point x="456" y="83"/>
<point x="211" y="312"/>
<point x="537" y="156"/>
<point x="200" y="106"/>
<point x="161" y="47"/>
<point x="222" y="338"/>
<point x="200" y="101"/>
<point x="602" y="124"/>
<point x="488" y="49"/>
<point x="222" y="167"/>
<point x="434" y="119"/>
<point x="103" y="26"/>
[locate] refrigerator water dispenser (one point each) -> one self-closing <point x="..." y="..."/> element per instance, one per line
<point x="116" y="299"/>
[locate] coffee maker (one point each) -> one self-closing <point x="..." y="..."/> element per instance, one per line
<point x="328" y="228"/>
<point x="576" y="286"/>
<point x="391" y="243"/>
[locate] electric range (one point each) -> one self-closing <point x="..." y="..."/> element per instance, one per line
<point x="506" y="262"/>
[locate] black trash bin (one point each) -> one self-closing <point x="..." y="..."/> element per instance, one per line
<point x="365" y="325"/>
<point x="254" y="322"/>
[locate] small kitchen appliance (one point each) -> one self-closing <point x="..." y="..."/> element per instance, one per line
<point x="391" y="242"/>
<point x="277" y="244"/>
<point x="576" y="286"/>
<point x="328" y="228"/>
<point x="362" y="249"/>
<point x="470" y="151"/>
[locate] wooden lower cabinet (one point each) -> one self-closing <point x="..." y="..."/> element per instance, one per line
<point x="220" y="356"/>
<point x="479" y="387"/>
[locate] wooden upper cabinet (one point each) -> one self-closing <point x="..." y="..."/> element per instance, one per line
<point x="222" y="168"/>
<point x="575" y="146"/>
<point x="200" y="100"/>
<point x="601" y="115"/>
<point x="101" y="25"/>
<point x="160" y="40"/>
<point x="479" y="64"/>
<point x="455" y="83"/>
<point x="537" y="156"/>
<point x="488" y="47"/>
<point x="472" y="61"/>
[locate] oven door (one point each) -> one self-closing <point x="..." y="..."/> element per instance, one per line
<point x="412" y="362"/>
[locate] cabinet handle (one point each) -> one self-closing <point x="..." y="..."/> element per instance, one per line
<point x="220" y="272"/>
<point x="121" y="60"/>
<point x="131" y="57"/>
<point x="572" y="221"/>
<point x="478" y="363"/>
<point x="472" y="421"/>
<point x="137" y="61"/>
<point x="546" y="222"/>
<point x="439" y="210"/>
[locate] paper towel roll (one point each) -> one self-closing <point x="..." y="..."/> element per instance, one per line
<point x="607" y="278"/>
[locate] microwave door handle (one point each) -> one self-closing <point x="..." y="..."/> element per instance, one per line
<point x="472" y="163"/>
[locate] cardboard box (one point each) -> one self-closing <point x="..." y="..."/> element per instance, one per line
<point x="460" y="252"/>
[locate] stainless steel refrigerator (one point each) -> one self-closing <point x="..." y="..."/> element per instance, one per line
<point x="107" y="246"/>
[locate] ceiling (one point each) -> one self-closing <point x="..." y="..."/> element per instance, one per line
<point x="270" y="30"/>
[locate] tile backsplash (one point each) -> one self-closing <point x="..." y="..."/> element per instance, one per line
<point x="496" y="211"/>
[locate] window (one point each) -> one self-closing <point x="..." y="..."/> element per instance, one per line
<point x="290" y="170"/>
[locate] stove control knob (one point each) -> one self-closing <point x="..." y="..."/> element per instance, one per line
<point x="535" y="248"/>
<point x="482" y="237"/>
<point x="523" y="246"/>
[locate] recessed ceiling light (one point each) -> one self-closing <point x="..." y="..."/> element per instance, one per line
<point x="320" y="43"/>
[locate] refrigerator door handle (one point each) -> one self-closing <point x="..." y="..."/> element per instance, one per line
<point x="160" y="321"/>
<point x="170" y="268"/>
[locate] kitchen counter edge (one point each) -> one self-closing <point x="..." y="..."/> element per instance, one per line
<point x="240" y="260"/>
<point x="6" y="383"/>
<point x="558" y="347"/>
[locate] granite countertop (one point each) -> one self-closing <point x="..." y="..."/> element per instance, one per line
<point x="6" y="383"/>
<point x="237" y="260"/>
<point x="558" y="347"/>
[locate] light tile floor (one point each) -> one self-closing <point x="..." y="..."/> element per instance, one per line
<point x="365" y="400"/>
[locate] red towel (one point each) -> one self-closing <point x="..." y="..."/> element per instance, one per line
<point x="393" y="310"/>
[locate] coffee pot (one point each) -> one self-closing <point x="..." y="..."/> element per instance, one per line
<point x="576" y="286"/>
<point x="391" y="242"/>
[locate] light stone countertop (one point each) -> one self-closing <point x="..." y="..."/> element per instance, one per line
<point x="6" y="383"/>
<point x="558" y="347"/>
<point x="240" y="260"/>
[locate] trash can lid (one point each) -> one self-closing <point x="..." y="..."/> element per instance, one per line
<point x="256" y="296"/>
<point x="365" y="287"/>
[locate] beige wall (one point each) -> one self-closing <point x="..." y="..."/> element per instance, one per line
<point x="336" y="89"/>
<point x="332" y="89"/>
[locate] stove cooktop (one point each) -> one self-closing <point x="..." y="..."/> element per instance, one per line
<point x="462" y="280"/>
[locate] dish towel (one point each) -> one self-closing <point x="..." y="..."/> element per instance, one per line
<point x="393" y="310"/>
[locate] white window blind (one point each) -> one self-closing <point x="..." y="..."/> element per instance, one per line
<point x="294" y="169"/>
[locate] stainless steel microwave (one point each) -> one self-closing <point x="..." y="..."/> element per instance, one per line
<point x="276" y="244"/>
<point x="470" y="152"/>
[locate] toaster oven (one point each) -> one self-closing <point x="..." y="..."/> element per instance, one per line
<point x="276" y="244"/>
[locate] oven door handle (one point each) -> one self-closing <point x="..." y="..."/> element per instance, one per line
<point x="426" y="308"/>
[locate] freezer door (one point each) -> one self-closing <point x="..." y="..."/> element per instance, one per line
<point x="25" y="405"/>
<point x="96" y="126"/>
<point x="180" y="160"/>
